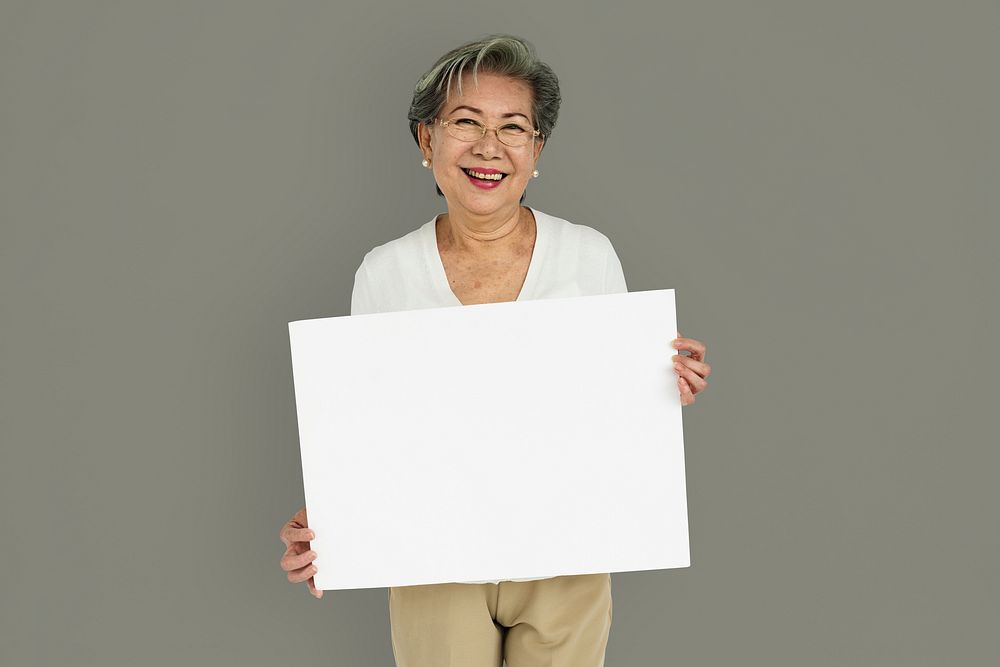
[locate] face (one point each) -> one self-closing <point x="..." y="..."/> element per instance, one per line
<point x="498" y="101"/>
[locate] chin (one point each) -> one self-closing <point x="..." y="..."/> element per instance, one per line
<point x="487" y="207"/>
<point x="480" y="204"/>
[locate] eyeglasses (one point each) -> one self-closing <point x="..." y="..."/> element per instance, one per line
<point x="468" y="129"/>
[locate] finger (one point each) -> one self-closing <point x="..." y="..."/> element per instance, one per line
<point x="298" y="521"/>
<point x="293" y="560"/>
<point x="291" y="533"/>
<point x="292" y="549"/>
<point x="311" y="585"/>
<point x="302" y="574"/>
<point x="687" y="397"/>
<point x="695" y="347"/>
<point x="695" y="382"/>
<point x="698" y="367"/>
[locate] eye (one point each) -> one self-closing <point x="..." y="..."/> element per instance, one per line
<point x="513" y="128"/>
<point x="466" y="121"/>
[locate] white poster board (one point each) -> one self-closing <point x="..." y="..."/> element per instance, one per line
<point x="489" y="442"/>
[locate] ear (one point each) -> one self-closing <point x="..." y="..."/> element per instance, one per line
<point x="424" y="136"/>
<point x="539" y="145"/>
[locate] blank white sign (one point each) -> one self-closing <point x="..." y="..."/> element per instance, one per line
<point x="490" y="442"/>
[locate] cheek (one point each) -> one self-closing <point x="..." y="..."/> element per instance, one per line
<point x="446" y="157"/>
<point x="445" y="171"/>
<point x="524" y="168"/>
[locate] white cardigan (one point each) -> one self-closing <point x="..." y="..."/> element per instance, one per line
<point x="407" y="273"/>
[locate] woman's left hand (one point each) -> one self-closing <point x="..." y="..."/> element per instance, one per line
<point x="691" y="370"/>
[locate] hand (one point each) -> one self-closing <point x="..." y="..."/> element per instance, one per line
<point x="692" y="370"/>
<point x="298" y="558"/>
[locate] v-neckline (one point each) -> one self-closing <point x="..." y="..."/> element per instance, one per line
<point x="440" y="276"/>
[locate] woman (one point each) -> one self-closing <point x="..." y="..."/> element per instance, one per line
<point x="481" y="116"/>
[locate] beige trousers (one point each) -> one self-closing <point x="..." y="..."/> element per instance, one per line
<point x="558" y="622"/>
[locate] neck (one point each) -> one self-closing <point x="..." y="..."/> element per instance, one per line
<point x="469" y="231"/>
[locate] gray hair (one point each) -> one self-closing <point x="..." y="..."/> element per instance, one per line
<point x="496" y="54"/>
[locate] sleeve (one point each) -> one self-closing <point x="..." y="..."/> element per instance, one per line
<point x="614" y="277"/>
<point x="362" y="299"/>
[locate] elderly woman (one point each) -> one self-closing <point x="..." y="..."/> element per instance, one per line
<point x="481" y="117"/>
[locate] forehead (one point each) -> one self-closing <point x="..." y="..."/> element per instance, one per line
<point x="495" y="94"/>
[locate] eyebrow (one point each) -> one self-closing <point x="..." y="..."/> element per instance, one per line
<point x="480" y="112"/>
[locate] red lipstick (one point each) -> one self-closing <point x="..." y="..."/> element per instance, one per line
<point x="480" y="183"/>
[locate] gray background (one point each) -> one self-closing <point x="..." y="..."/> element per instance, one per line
<point x="178" y="180"/>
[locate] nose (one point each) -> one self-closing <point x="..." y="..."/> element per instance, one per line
<point x="488" y="145"/>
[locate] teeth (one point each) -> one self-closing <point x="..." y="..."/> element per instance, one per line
<point x="488" y="177"/>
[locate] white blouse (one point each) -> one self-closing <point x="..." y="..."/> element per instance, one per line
<point x="407" y="273"/>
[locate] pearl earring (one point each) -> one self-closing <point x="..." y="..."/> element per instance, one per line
<point x="426" y="163"/>
<point x="534" y="174"/>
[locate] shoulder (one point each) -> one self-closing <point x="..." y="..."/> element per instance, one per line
<point x="580" y="260"/>
<point x="565" y="232"/>
<point x="394" y="275"/>
<point x="398" y="253"/>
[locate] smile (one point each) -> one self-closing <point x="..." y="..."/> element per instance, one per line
<point x="485" y="176"/>
<point x="485" y="180"/>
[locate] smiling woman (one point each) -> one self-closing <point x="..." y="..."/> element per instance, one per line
<point x="483" y="131"/>
<point x="481" y="116"/>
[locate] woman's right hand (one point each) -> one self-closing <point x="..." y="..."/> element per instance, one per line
<point x="298" y="558"/>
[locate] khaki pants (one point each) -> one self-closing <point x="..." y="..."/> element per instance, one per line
<point x="558" y="622"/>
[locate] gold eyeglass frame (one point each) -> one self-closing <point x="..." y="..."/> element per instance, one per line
<point x="496" y="131"/>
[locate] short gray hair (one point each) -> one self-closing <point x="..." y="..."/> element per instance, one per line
<point x="496" y="54"/>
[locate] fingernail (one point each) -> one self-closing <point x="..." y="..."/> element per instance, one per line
<point x="677" y="343"/>
<point x="312" y="535"/>
<point x="678" y="367"/>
